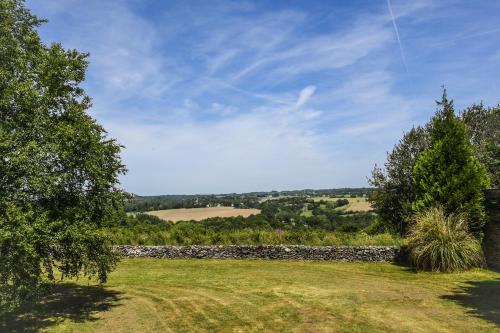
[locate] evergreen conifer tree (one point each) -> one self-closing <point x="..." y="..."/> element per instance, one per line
<point x="448" y="174"/>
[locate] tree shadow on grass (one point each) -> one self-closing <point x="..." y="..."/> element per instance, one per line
<point x="482" y="298"/>
<point x="77" y="303"/>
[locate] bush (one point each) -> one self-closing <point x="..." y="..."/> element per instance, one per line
<point x="378" y="226"/>
<point x="443" y="243"/>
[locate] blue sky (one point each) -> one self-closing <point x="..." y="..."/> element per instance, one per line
<point x="234" y="96"/>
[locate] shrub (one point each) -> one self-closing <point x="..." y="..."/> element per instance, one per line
<point x="378" y="226"/>
<point x="443" y="243"/>
<point x="349" y="227"/>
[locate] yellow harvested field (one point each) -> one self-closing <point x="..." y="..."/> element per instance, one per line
<point x="198" y="214"/>
<point x="358" y="204"/>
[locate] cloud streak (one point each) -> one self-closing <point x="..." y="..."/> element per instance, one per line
<point x="396" y="30"/>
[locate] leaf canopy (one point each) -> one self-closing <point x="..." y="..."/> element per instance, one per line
<point x="59" y="172"/>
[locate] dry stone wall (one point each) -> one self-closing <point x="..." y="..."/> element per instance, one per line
<point x="300" y="252"/>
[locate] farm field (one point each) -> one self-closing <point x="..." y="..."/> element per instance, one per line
<point x="358" y="204"/>
<point x="198" y="214"/>
<point x="157" y="295"/>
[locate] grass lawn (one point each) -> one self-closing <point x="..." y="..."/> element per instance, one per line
<point x="155" y="295"/>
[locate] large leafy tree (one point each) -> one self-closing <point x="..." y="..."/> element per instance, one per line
<point x="483" y="124"/>
<point x="58" y="170"/>
<point x="448" y="173"/>
<point x="394" y="193"/>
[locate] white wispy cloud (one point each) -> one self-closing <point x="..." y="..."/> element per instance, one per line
<point x="325" y="52"/>
<point x="264" y="149"/>
<point x="234" y="96"/>
<point x="304" y="96"/>
<point x="253" y="144"/>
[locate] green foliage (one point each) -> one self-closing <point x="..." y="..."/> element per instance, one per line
<point x="483" y="125"/>
<point x="343" y="202"/>
<point x="58" y="170"/>
<point x="160" y="202"/>
<point x="394" y="190"/>
<point x="378" y="226"/>
<point x="448" y="173"/>
<point x="442" y="243"/>
<point x="142" y="229"/>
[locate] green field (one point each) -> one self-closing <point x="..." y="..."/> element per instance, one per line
<point x="148" y="295"/>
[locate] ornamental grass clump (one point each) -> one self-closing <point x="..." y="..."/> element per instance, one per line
<point x="443" y="243"/>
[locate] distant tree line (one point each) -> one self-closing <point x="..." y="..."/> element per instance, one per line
<point x="149" y="203"/>
<point x="245" y="200"/>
